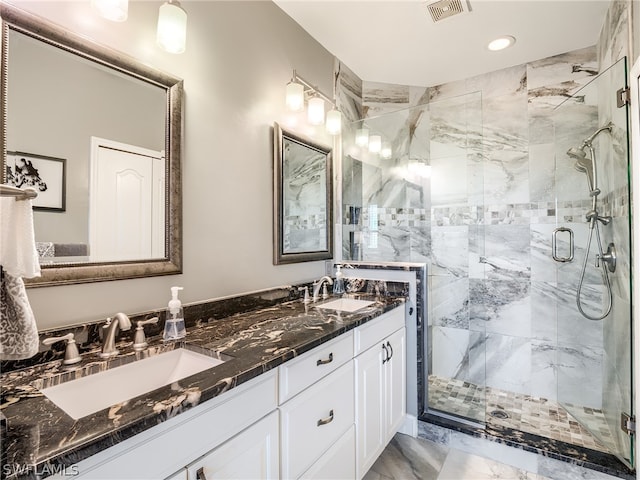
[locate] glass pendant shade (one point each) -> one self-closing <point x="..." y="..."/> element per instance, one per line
<point x="114" y="10"/>
<point x="375" y="143"/>
<point x="334" y="122"/>
<point x="386" y="151"/>
<point x="294" y="96"/>
<point x="172" y="27"/>
<point x="362" y="137"/>
<point x="315" y="111"/>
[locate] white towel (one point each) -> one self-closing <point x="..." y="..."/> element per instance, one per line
<point x="18" y="258"/>
<point x="18" y="252"/>
<point x="18" y="331"/>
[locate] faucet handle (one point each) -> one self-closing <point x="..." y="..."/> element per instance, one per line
<point x="306" y="294"/>
<point x="139" y="339"/>
<point x="71" y="354"/>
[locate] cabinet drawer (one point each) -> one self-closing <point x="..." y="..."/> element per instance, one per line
<point x="252" y="454"/>
<point x="312" y="421"/>
<point x="160" y="451"/>
<point x="374" y="331"/>
<point x="338" y="463"/>
<point x="298" y="374"/>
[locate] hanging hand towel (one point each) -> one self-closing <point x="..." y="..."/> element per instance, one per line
<point x="18" y="331"/>
<point x="18" y="258"/>
<point x="18" y="252"/>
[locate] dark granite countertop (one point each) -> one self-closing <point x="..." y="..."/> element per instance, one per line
<point x="39" y="434"/>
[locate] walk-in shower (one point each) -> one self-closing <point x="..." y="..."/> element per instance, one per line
<point x="478" y="181"/>
<point x="604" y="260"/>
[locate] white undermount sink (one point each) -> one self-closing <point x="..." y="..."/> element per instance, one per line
<point x="90" y="394"/>
<point x="346" y="304"/>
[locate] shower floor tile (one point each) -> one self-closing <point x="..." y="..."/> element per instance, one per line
<point x="526" y="413"/>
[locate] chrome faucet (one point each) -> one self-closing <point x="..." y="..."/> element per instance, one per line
<point x="110" y="330"/>
<point x="317" y="285"/>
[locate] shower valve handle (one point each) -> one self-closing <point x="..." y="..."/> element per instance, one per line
<point x="610" y="258"/>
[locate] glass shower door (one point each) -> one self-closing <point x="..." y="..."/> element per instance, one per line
<point x="593" y="299"/>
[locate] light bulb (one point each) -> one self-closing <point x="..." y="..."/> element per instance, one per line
<point x="375" y="143"/>
<point x="315" y="111"/>
<point x="114" y="10"/>
<point x="362" y="137"/>
<point x="334" y="122"/>
<point x="172" y="27"/>
<point x="294" y="96"/>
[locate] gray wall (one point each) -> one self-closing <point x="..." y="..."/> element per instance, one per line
<point x="239" y="57"/>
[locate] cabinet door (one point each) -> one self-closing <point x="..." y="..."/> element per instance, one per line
<point x="252" y="454"/>
<point x="370" y="399"/>
<point x="395" y="383"/>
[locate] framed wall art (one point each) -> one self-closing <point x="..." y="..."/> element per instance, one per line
<point x="46" y="174"/>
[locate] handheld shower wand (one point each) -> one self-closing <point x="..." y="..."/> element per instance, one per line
<point x="588" y="166"/>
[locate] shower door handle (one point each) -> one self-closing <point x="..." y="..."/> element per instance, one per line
<point x="554" y="245"/>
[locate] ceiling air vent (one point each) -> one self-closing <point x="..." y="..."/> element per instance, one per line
<point x="447" y="8"/>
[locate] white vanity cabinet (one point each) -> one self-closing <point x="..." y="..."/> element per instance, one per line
<point x="380" y="371"/>
<point x="326" y="414"/>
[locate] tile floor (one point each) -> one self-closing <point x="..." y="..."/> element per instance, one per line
<point x="529" y="414"/>
<point x="408" y="458"/>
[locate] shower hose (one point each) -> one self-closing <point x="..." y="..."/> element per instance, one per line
<point x="605" y="275"/>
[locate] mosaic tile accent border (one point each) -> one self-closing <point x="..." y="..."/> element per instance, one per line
<point x="615" y="204"/>
<point x="526" y="413"/>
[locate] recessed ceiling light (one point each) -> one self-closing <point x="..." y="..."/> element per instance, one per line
<point x="501" y="43"/>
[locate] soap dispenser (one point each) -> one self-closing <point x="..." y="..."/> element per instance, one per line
<point x="338" y="285"/>
<point x="174" y="325"/>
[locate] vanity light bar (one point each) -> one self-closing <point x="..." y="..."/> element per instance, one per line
<point x="310" y="90"/>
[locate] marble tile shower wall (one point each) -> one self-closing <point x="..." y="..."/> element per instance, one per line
<point x="483" y="221"/>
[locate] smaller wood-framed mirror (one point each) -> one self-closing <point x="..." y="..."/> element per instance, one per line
<point x="303" y="199"/>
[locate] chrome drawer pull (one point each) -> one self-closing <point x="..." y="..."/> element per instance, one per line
<point x="390" y="349"/>
<point x="324" y="362"/>
<point x="386" y="354"/>
<point x="200" y="474"/>
<point x="324" y="421"/>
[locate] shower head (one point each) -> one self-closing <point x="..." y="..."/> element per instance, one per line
<point x="588" y="165"/>
<point x="583" y="164"/>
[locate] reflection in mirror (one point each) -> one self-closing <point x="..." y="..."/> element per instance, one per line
<point x="116" y="125"/>
<point x="303" y="220"/>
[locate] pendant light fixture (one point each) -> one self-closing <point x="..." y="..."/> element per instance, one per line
<point x="295" y="95"/>
<point x="375" y="143"/>
<point x="386" y="151"/>
<point x="172" y="27"/>
<point x="315" y="110"/>
<point x="114" y="10"/>
<point x="298" y="91"/>
<point x="334" y="122"/>
<point x="362" y="137"/>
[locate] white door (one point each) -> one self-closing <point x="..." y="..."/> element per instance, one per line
<point x="126" y="202"/>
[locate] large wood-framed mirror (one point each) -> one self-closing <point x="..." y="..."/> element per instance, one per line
<point x="116" y="126"/>
<point x="303" y="192"/>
